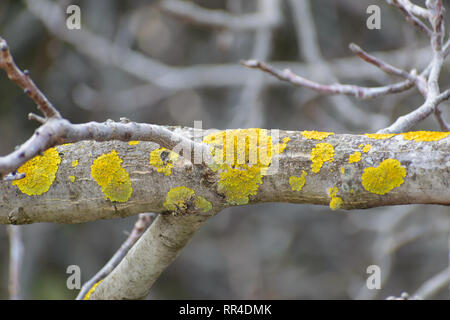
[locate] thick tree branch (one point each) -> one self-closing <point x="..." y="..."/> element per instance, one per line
<point x="83" y="200"/>
<point x="144" y="220"/>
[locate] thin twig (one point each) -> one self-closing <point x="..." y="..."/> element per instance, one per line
<point x="23" y="80"/>
<point x="143" y="222"/>
<point x="362" y="93"/>
<point x="411" y="18"/>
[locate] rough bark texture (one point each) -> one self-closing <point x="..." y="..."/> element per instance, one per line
<point x="74" y="196"/>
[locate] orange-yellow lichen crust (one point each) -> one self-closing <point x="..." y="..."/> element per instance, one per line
<point x="242" y="157"/>
<point x="382" y="179"/>
<point x="133" y="143"/>
<point x="297" y="183"/>
<point x="40" y="172"/>
<point x="162" y="159"/>
<point x="425" y="135"/>
<point x="111" y="177"/>
<point x="74" y="163"/>
<point x="91" y="290"/>
<point x="316" y="135"/>
<point x="380" y="136"/>
<point x="335" y="202"/>
<point x="179" y="198"/>
<point x="321" y="153"/>
<point x="354" y="157"/>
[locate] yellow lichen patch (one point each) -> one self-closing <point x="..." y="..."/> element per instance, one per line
<point x="354" y="157"/>
<point x="343" y="170"/>
<point x="335" y="202"/>
<point x="382" y="179"/>
<point x="162" y="159"/>
<point x="242" y="157"/>
<point x="367" y="148"/>
<point x="202" y="204"/>
<point x="40" y="172"/>
<point x="74" y="163"/>
<point x="91" y="290"/>
<point x="380" y="136"/>
<point x="133" y="143"/>
<point x="111" y="177"/>
<point x="72" y="178"/>
<point x="425" y="135"/>
<point x="297" y="183"/>
<point x="321" y="153"/>
<point x="179" y="198"/>
<point x="316" y="135"/>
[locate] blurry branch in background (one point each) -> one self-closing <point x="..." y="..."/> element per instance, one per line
<point x="428" y="87"/>
<point x="143" y="222"/>
<point x="16" y="250"/>
<point x="308" y="44"/>
<point x="433" y="285"/>
<point x="391" y="237"/>
<point x="267" y="17"/>
<point x="248" y="111"/>
<point x="197" y="76"/>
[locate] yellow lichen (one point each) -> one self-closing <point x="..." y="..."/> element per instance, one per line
<point x="111" y="177"/>
<point x="162" y="159"/>
<point x="335" y="202"/>
<point x="133" y="143"/>
<point x="203" y="204"/>
<point x="40" y="172"/>
<point x="354" y="157"/>
<point x="91" y="290"/>
<point x="72" y="178"/>
<point x="380" y="136"/>
<point x="321" y="153"/>
<point x="367" y="148"/>
<point x="316" y="135"/>
<point x="242" y="157"/>
<point x="179" y="198"/>
<point x="343" y="170"/>
<point x="382" y="179"/>
<point x="74" y="163"/>
<point x="425" y="135"/>
<point x="297" y="183"/>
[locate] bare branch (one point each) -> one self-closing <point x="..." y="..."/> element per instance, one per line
<point x="143" y="222"/>
<point x="410" y="17"/>
<point x="23" y="80"/>
<point x="363" y="93"/>
<point x="405" y="122"/>
<point x="59" y="131"/>
<point x="415" y="9"/>
<point x="387" y="68"/>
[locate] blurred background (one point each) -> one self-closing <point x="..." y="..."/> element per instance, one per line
<point x="173" y="62"/>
